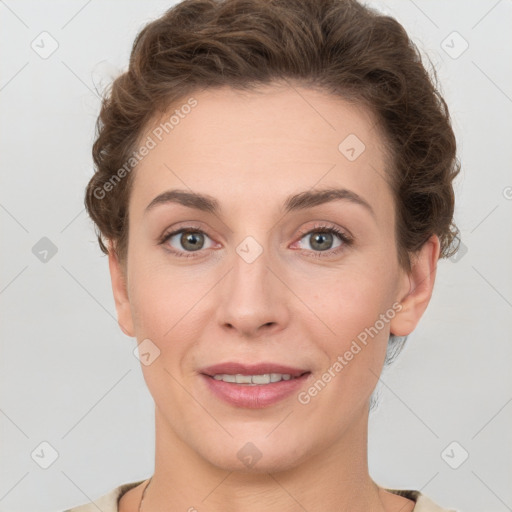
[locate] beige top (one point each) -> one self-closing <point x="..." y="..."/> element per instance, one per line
<point x="109" y="502"/>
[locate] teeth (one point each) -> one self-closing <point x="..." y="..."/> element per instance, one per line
<point x="253" y="380"/>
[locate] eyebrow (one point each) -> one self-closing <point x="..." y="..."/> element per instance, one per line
<point x="295" y="202"/>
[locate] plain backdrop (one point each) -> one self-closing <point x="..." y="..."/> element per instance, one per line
<point x="70" y="386"/>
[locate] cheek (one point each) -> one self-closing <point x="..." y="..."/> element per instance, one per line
<point x="162" y="315"/>
<point x="357" y="309"/>
<point x="350" y="298"/>
<point x="166" y="307"/>
<point x="155" y="304"/>
<point x="355" y="353"/>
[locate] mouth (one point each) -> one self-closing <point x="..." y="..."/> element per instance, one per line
<point x="253" y="386"/>
<point x="259" y="373"/>
<point x="256" y="379"/>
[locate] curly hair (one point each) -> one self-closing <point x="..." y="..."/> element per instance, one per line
<point x="338" y="46"/>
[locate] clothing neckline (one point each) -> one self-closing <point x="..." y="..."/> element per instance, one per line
<point x="413" y="495"/>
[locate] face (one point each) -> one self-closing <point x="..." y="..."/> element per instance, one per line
<point x="277" y="273"/>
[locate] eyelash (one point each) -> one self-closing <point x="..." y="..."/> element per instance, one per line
<point x="347" y="240"/>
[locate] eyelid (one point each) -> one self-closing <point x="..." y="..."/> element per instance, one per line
<point x="185" y="226"/>
<point x="327" y="226"/>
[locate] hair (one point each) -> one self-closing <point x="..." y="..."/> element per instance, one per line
<point x="337" y="46"/>
<point x="340" y="47"/>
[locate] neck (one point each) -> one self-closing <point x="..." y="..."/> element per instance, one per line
<point x="334" y="478"/>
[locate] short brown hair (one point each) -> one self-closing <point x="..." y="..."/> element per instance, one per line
<point x="337" y="46"/>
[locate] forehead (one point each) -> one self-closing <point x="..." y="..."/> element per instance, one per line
<point x="261" y="144"/>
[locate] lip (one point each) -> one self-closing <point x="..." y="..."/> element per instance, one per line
<point x="253" y="397"/>
<point x="233" y="368"/>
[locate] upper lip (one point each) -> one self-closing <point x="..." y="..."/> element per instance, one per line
<point x="233" y="368"/>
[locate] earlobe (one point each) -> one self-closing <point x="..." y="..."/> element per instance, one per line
<point x="119" y="289"/>
<point x="421" y="277"/>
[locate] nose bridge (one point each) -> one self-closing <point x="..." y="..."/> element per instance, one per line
<point x="252" y="297"/>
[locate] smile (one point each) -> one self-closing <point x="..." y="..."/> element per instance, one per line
<point x="253" y="380"/>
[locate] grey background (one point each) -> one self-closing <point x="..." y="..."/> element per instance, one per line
<point x="68" y="375"/>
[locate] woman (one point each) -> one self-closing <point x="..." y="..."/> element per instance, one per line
<point x="273" y="189"/>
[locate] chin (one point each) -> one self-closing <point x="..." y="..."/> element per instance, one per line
<point x="254" y="455"/>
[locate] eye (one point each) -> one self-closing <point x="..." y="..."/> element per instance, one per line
<point x="186" y="240"/>
<point x="322" y="239"/>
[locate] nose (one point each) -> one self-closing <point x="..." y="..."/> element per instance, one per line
<point x="253" y="300"/>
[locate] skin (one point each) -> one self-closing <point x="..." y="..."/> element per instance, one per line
<point x="287" y="306"/>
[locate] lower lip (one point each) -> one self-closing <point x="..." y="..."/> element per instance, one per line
<point x="254" y="397"/>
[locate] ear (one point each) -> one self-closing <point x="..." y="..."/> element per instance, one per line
<point x="421" y="284"/>
<point x="119" y="289"/>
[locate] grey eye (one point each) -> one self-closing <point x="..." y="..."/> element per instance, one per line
<point x="188" y="240"/>
<point x="322" y="240"/>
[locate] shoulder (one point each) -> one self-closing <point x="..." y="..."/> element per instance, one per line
<point x="423" y="503"/>
<point x="107" y="502"/>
